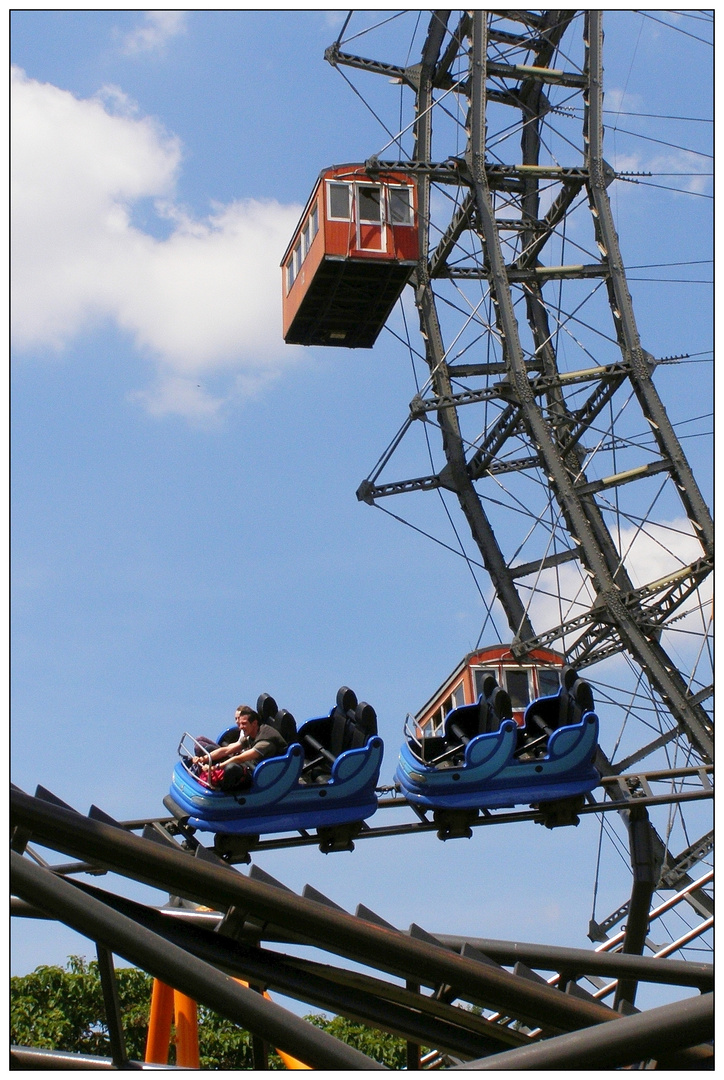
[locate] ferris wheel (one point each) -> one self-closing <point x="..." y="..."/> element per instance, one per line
<point x="537" y="413"/>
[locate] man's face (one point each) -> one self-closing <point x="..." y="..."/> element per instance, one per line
<point x="247" y="726"/>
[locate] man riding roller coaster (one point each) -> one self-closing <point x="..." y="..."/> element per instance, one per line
<point x="231" y="766"/>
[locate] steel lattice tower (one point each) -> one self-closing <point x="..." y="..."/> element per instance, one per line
<point x="538" y="379"/>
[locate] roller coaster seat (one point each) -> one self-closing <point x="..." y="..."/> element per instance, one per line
<point x="281" y="719"/>
<point x="544" y="716"/>
<point x="486" y="715"/>
<point x="348" y="727"/>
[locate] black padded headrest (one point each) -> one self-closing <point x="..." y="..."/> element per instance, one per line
<point x="346" y="699"/>
<point x="568" y="677"/>
<point x="266" y="706"/>
<point x="489" y="684"/>
<point x="583" y="695"/>
<point x="500" y="703"/>
<point x="287" y="725"/>
<point x="366" y="718"/>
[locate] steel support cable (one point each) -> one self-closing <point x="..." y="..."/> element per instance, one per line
<point x="663" y="142"/>
<point x="673" y="281"/>
<point x="680" y="191"/>
<point x="393" y="138"/>
<point x="669" y="1034"/>
<point x="428" y="536"/>
<point x="334" y="930"/>
<point x="173" y="965"/>
<point x="649" y="116"/>
<point x="462" y="551"/>
<point x="700" y="17"/>
<point x="367" y="30"/>
<point x="648" y="15"/>
<point x="433" y="104"/>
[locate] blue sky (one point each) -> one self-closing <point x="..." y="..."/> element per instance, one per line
<point x="185" y="532"/>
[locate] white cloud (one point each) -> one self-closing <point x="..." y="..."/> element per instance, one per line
<point x="649" y="555"/>
<point x="155" y="32"/>
<point x="203" y="302"/>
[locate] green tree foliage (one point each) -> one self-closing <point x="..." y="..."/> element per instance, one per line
<point x="62" y="1009"/>
<point x="380" y="1045"/>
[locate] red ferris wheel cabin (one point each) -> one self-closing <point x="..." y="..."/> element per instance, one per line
<point x="350" y="257"/>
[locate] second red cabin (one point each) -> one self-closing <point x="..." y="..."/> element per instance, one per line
<point x="538" y="675"/>
<point x="350" y="257"/>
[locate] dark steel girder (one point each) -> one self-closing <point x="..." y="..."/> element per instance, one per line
<point x="516" y="274"/>
<point x="218" y="885"/>
<point x="459" y="479"/>
<point x="364" y="1000"/>
<point x="664" y="1035"/>
<point x="174" y="965"/>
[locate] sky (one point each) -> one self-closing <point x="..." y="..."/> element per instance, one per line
<point x="184" y="527"/>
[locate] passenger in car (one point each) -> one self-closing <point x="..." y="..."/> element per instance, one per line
<point x="231" y="766"/>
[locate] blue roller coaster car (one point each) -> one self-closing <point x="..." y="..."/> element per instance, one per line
<point x="485" y="760"/>
<point x="325" y="778"/>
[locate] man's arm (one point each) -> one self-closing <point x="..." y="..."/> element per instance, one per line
<point x="221" y="753"/>
<point x="250" y="757"/>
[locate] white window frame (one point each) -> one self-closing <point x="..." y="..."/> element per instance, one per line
<point x="301" y="248"/>
<point x="528" y="671"/>
<point x="339" y="183"/>
<point x="381" y="223"/>
<point x="371" y="187"/>
<point x="410" y="206"/>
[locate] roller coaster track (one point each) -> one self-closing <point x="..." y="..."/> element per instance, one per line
<point x="529" y="1016"/>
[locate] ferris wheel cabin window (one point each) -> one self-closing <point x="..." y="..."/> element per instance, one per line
<point x="302" y="246"/>
<point x="548" y="682"/>
<point x="517" y="685"/>
<point x="400" y="204"/>
<point x="369" y="202"/>
<point x="339" y="201"/>
<point x="294" y="263"/>
<point x="480" y="675"/>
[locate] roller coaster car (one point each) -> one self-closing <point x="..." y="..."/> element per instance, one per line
<point x="485" y="760"/>
<point x="325" y="778"/>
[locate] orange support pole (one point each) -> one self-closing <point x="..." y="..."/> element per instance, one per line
<point x="158" y="1039"/>
<point x="167" y="1003"/>
<point x="187" y="1031"/>
<point x="288" y="1061"/>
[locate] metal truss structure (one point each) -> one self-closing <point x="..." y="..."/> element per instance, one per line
<point x="422" y="990"/>
<point x="558" y="449"/>
<point x="555" y="442"/>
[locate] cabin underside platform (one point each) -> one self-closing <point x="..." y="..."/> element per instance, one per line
<point x="348" y="302"/>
